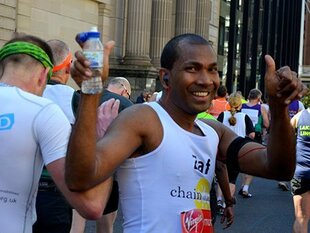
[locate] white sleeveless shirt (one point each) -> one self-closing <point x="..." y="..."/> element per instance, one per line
<point x="156" y="187"/>
<point x="239" y="128"/>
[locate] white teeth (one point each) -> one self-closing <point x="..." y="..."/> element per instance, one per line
<point x="200" y="93"/>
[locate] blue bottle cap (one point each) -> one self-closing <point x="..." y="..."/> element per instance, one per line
<point x="84" y="36"/>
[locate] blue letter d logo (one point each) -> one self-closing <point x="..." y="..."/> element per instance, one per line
<point x="6" y="121"/>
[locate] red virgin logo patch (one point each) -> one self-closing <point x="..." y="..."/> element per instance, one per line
<point x="196" y="221"/>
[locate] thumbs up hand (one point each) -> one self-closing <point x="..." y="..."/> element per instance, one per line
<point x="282" y="85"/>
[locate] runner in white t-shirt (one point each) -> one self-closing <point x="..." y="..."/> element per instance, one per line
<point x="30" y="137"/>
<point x="27" y="141"/>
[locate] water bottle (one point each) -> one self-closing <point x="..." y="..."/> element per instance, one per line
<point x="93" y="51"/>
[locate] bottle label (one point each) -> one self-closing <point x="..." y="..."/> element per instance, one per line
<point x="95" y="58"/>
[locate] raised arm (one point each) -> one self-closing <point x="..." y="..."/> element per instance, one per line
<point x="90" y="162"/>
<point x="278" y="160"/>
<point x="81" y="149"/>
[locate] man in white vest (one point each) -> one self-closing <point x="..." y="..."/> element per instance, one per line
<point x="163" y="157"/>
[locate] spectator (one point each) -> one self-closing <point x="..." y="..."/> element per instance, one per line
<point x="156" y="96"/>
<point x="142" y="97"/>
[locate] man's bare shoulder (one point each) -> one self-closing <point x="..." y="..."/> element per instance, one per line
<point x="216" y="125"/>
<point x="211" y="122"/>
<point x="140" y="116"/>
<point x="138" y="110"/>
<point x="142" y="125"/>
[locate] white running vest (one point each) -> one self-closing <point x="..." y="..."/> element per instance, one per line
<point x="156" y="187"/>
<point x="239" y="128"/>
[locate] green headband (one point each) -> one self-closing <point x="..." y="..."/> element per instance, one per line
<point x="30" y="49"/>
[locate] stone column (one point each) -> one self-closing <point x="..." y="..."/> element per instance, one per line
<point x="185" y="16"/>
<point x="160" y="29"/>
<point x="115" y="30"/>
<point x="138" y="32"/>
<point x="203" y="17"/>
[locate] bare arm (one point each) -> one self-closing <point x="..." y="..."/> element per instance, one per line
<point x="295" y="119"/>
<point x="265" y="117"/>
<point x="251" y="135"/>
<point x="82" y="146"/>
<point x="91" y="203"/>
<point x="88" y="162"/>
<point x="85" y="125"/>
<point x="223" y="181"/>
<point x="278" y="160"/>
<point x="123" y="139"/>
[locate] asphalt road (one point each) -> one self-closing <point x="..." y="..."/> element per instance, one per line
<point x="270" y="210"/>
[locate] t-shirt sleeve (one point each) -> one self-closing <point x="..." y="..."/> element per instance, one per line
<point x="52" y="130"/>
<point x="248" y="125"/>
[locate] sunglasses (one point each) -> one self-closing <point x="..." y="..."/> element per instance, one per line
<point x="127" y="92"/>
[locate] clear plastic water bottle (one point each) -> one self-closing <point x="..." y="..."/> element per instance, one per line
<point x="93" y="51"/>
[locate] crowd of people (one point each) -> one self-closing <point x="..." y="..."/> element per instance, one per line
<point x="78" y="155"/>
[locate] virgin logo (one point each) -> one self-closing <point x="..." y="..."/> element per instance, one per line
<point x="193" y="221"/>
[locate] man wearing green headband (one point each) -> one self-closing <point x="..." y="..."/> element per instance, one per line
<point x="30" y="138"/>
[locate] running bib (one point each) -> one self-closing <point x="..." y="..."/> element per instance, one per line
<point x="196" y="221"/>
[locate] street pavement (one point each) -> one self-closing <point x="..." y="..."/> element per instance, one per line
<point x="270" y="210"/>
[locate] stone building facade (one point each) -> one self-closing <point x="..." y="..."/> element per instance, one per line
<point x="140" y="28"/>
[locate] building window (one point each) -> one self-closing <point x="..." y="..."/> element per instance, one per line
<point x="221" y="36"/>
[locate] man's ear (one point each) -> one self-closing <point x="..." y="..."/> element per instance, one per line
<point x="164" y="77"/>
<point x="43" y="77"/>
<point x="68" y="68"/>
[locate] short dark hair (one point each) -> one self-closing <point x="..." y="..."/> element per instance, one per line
<point x="171" y="51"/>
<point x="254" y="94"/>
<point x="221" y="91"/>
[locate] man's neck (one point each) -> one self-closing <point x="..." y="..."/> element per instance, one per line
<point x="53" y="82"/>
<point x="253" y="102"/>
<point x="56" y="80"/>
<point x="184" y="120"/>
